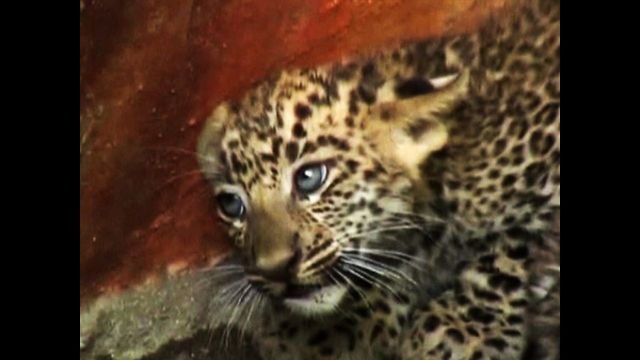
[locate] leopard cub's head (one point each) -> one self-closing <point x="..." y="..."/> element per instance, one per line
<point x="315" y="176"/>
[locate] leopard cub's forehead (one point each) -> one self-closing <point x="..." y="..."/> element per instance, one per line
<point x="295" y="105"/>
<point x="306" y="114"/>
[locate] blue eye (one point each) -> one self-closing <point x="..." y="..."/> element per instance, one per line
<point x="310" y="178"/>
<point x="231" y="205"/>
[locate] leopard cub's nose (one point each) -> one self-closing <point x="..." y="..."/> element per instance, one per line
<point x="278" y="269"/>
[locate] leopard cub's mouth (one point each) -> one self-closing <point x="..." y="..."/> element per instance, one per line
<point x="304" y="299"/>
<point x="300" y="291"/>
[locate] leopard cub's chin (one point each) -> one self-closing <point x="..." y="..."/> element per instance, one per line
<point x="322" y="301"/>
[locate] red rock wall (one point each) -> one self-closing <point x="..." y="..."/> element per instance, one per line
<point x="151" y="70"/>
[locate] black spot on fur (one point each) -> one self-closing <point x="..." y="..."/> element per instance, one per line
<point x="291" y="151"/>
<point x="508" y="180"/>
<point x="313" y="98"/>
<point x="315" y="251"/>
<point x="514" y="319"/>
<point x="446" y="355"/>
<point x="547" y="114"/>
<point x="486" y="295"/>
<point x="499" y="147"/>
<point x="238" y="165"/>
<point x="345" y="72"/>
<point x="367" y="95"/>
<point x="369" y="175"/>
<point x="533" y="172"/>
<point x="487" y="259"/>
<point x="308" y="148"/>
<point x="507" y="282"/>
<point x="436" y="186"/>
<point x="480" y="315"/>
<point x="349" y="121"/>
<point x="339" y="143"/>
<point x="382" y="306"/>
<point x="462" y="300"/>
<point x="275" y="146"/>
<point x="518" y="253"/>
<point x="375" y="209"/>
<point x="547" y="144"/>
<point x="517" y="160"/>
<point x="233" y="144"/>
<point x="299" y="131"/>
<point x="518" y="128"/>
<point x="453" y="184"/>
<point x="386" y="113"/>
<point x="368" y="70"/>
<point x="222" y="157"/>
<point x="353" y="102"/>
<point x="511" y="332"/>
<point x="534" y="139"/>
<point x="302" y="111"/>
<point x="496" y="343"/>
<point x="377" y="329"/>
<point x="268" y="158"/>
<point x="455" y="335"/>
<point x="352" y="165"/>
<point x="362" y="312"/>
<point x="402" y="298"/>
<point x="472" y="331"/>
<point x="517" y="150"/>
<point x="431" y="323"/>
<point x="494" y="174"/>
<point x="523" y="234"/>
<point x="519" y="303"/>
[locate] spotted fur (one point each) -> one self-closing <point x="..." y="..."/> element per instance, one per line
<point x="432" y="236"/>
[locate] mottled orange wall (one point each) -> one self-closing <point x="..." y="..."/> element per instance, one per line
<point x="150" y="71"/>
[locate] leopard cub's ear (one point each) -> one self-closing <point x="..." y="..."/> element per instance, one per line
<point x="209" y="147"/>
<point x="409" y="128"/>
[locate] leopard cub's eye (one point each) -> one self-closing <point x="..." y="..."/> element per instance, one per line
<point x="231" y="205"/>
<point x="310" y="178"/>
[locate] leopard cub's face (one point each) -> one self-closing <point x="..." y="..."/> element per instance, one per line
<point x="315" y="185"/>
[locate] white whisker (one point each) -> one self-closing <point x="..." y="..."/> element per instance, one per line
<point x="355" y="288"/>
<point x="245" y="289"/>
<point x="381" y="251"/>
<point x="255" y="298"/>
<point x="377" y="231"/>
<point x="383" y="267"/>
<point x="355" y="269"/>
